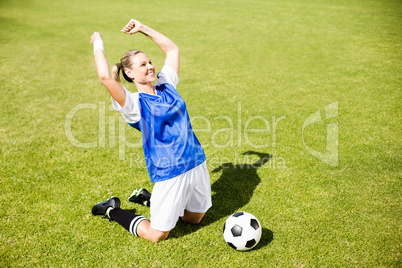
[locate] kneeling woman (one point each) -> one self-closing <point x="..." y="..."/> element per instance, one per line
<point x="175" y="160"/>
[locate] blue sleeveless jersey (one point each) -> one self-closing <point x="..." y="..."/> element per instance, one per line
<point x="169" y="143"/>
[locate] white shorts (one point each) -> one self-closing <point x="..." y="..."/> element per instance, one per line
<point x="189" y="191"/>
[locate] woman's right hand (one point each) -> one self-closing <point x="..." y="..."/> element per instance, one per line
<point x="95" y="36"/>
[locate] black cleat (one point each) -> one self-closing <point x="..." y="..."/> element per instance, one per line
<point x="101" y="208"/>
<point x="140" y="196"/>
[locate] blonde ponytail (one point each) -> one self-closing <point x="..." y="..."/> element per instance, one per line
<point x="116" y="71"/>
<point x="125" y="62"/>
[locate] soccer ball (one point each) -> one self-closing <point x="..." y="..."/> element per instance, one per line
<point x="242" y="231"/>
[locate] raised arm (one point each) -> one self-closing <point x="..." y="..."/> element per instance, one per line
<point x="115" y="89"/>
<point x="166" y="45"/>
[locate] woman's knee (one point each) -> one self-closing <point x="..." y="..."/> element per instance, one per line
<point x="145" y="231"/>
<point x="158" y="236"/>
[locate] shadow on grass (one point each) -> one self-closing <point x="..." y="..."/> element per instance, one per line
<point x="266" y="237"/>
<point x="230" y="192"/>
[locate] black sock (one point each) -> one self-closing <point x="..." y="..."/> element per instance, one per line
<point x="128" y="220"/>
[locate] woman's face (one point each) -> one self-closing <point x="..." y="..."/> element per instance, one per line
<point x="142" y="69"/>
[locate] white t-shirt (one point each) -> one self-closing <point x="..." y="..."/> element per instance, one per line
<point x="131" y="109"/>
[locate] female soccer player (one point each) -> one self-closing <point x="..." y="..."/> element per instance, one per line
<point x="175" y="160"/>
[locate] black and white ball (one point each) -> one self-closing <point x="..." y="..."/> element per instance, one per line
<point x="242" y="231"/>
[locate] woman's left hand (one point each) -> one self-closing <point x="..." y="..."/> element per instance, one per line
<point x="132" y="27"/>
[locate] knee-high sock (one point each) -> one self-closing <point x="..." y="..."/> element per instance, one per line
<point x="128" y="220"/>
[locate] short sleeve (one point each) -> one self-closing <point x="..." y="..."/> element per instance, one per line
<point x="131" y="110"/>
<point x="168" y="75"/>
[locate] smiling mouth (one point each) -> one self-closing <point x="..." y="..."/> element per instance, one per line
<point x="151" y="73"/>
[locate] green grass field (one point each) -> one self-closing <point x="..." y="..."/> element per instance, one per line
<point x="315" y="85"/>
